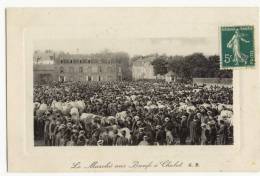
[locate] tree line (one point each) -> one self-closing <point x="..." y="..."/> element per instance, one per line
<point x="191" y="66"/>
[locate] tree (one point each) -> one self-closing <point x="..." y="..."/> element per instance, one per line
<point x="177" y="65"/>
<point x="197" y="65"/>
<point x="214" y="70"/>
<point x="160" y="65"/>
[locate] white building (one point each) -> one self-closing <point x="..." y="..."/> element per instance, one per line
<point x="170" y="77"/>
<point x="142" y="68"/>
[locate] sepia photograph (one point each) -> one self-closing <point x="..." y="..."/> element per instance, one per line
<point x="130" y="92"/>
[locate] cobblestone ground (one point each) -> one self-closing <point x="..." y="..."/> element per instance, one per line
<point x="41" y="142"/>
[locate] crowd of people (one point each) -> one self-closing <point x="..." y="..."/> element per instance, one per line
<point x="132" y="113"/>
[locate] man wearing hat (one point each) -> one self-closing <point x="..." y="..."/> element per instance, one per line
<point x="223" y="133"/>
<point x="81" y="138"/>
<point x="115" y="136"/>
<point x="59" y="138"/>
<point x="204" y="134"/>
<point x="195" y="131"/>
<point x="183" y="130"/>
<point x="68" y="132"/>
<point x="52" y="130"/>
<point x="169" y="136"/>
<point x="160" y="135"/>
<point x="212" y="132"/>
<point x="72" y="141"/>
<point x="104" y="136"/>
<point x="47" y="141"/>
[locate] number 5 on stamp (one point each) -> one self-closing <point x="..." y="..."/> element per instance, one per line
<point x="237" y="47"/>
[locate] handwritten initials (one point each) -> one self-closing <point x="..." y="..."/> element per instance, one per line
<point x="75" y="165"/>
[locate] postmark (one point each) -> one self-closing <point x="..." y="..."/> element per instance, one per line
<point x="237" y="47"/>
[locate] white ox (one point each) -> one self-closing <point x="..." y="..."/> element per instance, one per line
<point x="56" y="105"/>
<point x="80" y="105"/>
<point x="121" y="115"/>
<point x="206" y="105"/>
<point x="224" y="106"/>
<point x="43" y="107"/>
<point x="185" y="107"/>
<point x="87" y="117"/>
<point x="114" y="127"/>
<point x="66" y="107"/>
<point x="226" y="113"/>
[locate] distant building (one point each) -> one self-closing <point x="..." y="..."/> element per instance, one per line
<point x="63" y="67"/>
<point x="142" y="68"/>
<point x="46" y="57"/>
<point x="44" y="73"/>
<point x="170" y="77"/>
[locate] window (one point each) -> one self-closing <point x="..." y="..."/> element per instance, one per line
<point x="100" y="69"/>
<point x="81" y="69"/>
<point x="110" y="69"/>
<point x="94" y="61"/>
<point x="99" y="78"/>
<point x="94" y="69"/>
<point x="70" y="61"/>
<point x="89" y="61"/>
<point x="88" y="69"/>
<point x="109" y="78"/>
<point x="61" y="61"/>
<point x="71" y="69"/>
<point x="88" y="78"/>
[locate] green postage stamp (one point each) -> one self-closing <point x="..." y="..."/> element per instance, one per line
<point x="237" y="47"/>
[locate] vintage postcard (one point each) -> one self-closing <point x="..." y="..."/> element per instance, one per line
<point x="132" y="89"/>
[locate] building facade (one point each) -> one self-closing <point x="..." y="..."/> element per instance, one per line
<point x="65" y="67"/>
<point x="170" y="77"/>
<point x="142" y="68"/>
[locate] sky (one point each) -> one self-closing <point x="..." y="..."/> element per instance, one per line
<point x="140" y="46"/>
<point x="137" y="31"/>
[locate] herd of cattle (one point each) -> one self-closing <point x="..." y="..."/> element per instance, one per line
<point x="141" y="104"/>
